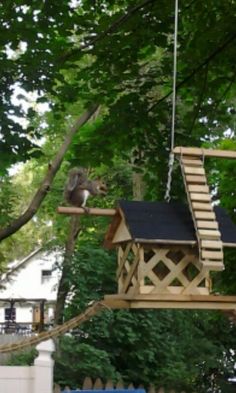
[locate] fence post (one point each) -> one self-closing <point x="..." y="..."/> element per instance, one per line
<point x="43" y="368"/>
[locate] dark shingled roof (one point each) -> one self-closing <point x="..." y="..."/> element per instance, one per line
<point x="169" y="221"/>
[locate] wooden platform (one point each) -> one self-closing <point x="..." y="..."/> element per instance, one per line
<point x="201" y="302"/>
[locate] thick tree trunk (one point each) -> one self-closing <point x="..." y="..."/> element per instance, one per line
<point x="48" y="179"/>
<point x="64" y="283"/>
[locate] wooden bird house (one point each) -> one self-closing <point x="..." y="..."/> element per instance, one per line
<point x="167" y="251"/>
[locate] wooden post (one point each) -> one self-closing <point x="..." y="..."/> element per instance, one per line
<point x="41" y="316"/>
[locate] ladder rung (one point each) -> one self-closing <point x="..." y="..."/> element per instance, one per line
<point x="208" y="234"/>
<point x="194" y="170"/>
<point x="196" y="179"/>
<point x="213" y="265"/>
<point x="202" y="206"/>
<point x="207" y="224"/>
<point x="191" y="162"/>
<point x="200" y="197"/>
<point x="214" y="255"/>
<point x="216" y="244"/>
<point x="202" y="215"/>
<point x="198" y="188"/>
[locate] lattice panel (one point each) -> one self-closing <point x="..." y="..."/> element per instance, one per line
<point x="128" y="260"/>
<point x="155" y="270"/>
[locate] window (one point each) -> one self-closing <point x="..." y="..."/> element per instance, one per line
<point x="46" y="276"/>
<point x="10" y="314"/>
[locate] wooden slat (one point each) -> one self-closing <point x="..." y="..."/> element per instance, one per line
<point x="213" y="265"/>
<point x="198" y="188"/>
<point x="207" y="224"/>
<point x="195" y="151"/>
<point x="202" y="206"/>
<point x="162" y="297"/>
<point x="98" y="385"/>
<point x="211" y="244"/>
<point x="208" y="234"/>
<point x="120" y="384"/>
<point x="190" y="170"/>
<point x="196" y="179"/>
<point x="191" y="162"/>
<point x="200" y="215"/>
<point x="88" y="384"/>
<point x="173" y="304"/>
<point x="215" y="255"/>
<point x="200" y="197"/>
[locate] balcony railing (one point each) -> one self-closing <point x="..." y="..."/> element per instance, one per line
<point x="23" y="328"/>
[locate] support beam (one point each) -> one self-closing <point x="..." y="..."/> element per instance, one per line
<point x="93" y="211"/>
<point x="198" y="152"/>
<point x="200" y="302"/>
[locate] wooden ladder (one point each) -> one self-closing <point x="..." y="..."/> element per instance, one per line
<point x="204" y="218"/>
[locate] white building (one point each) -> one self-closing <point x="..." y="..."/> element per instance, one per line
<point x="28" y="291"/>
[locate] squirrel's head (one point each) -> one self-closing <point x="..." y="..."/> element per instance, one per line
<point x="101" y="187"/>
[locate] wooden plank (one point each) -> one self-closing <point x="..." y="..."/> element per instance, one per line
<point x="191" y="162"/>
<point x="208" y="234"/>
<point x="165" y="241"/>
<point x="183" y="305"/>
<point x="214" y="255"/>
<point x="207" y="224"/>
<point x="98" y="385"/>
<point x="199" y="197"/>
<point x="117" y="304"/>
<point x="196" y="179"/>
<point x="120" y="385"/>
<point x="198" y="188"/>
<point x="196" y="151"/>
<point x="216" y="266"/>
<point x="93" y="211"/>
<point x="211" y="244"/>
<point x="109" y="385"/>
<point x="173" y="298"/>
<point x="202" y="206"/>
<point x="190" y="170"/>
<point x="88" y="384"/>
<point x="200" y="215"/>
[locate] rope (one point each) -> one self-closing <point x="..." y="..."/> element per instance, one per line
<point x="172" y="139"/>
<point x="57" y="331"/>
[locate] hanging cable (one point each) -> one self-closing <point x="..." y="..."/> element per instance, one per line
<point x="172" y="139"/>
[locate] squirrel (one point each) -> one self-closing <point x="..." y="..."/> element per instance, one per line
<point x="78" y="188"/>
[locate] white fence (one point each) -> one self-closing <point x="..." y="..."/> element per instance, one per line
<point x="31" y="379"/>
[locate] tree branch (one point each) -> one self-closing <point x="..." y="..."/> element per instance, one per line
<point x="48" y="179"/>
<point x="111" y="29"/>
<point x="196" y="70"/>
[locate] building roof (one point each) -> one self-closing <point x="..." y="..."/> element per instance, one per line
<point x="165" y="222"/>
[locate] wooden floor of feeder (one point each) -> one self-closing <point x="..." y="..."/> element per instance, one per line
<point x="155" y="301"/>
